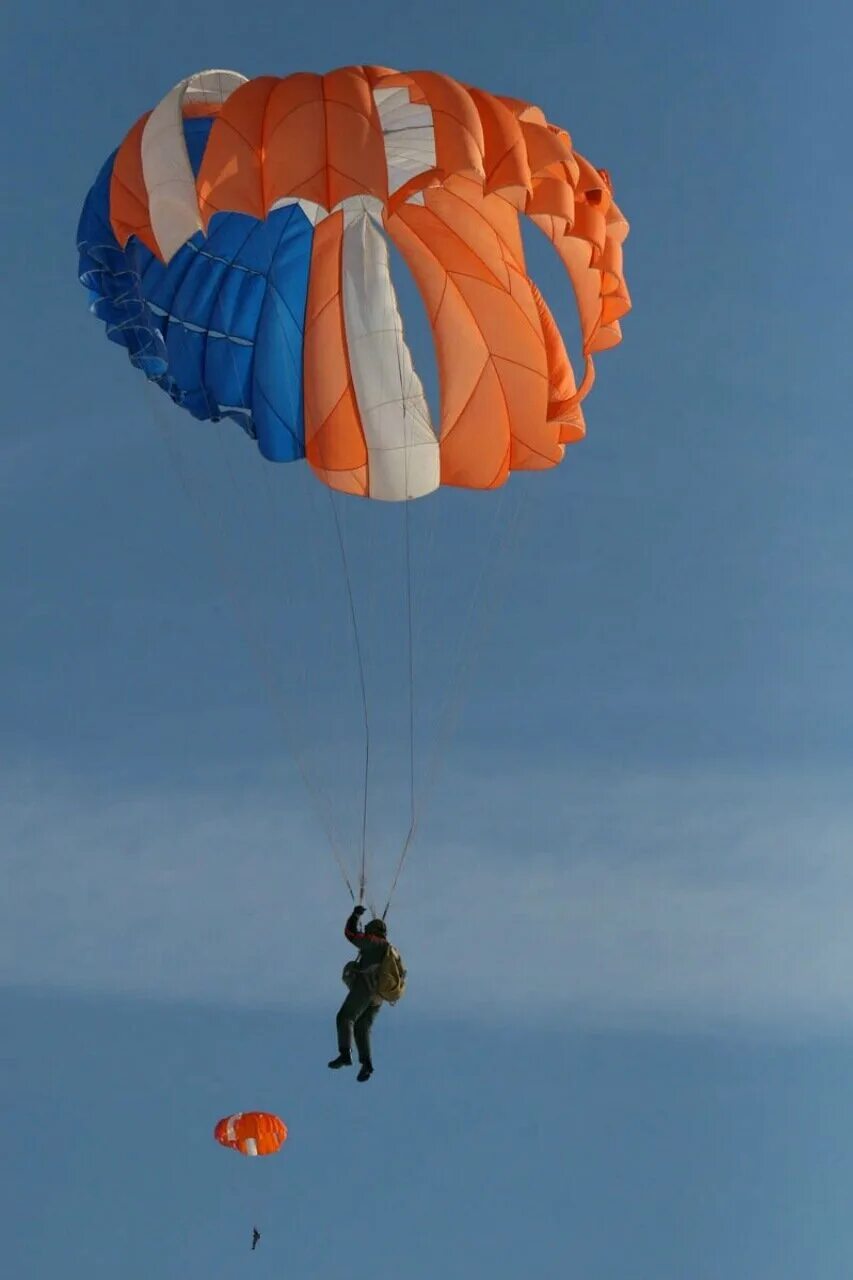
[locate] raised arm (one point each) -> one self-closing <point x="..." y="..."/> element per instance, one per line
<point x="352" y="933"/>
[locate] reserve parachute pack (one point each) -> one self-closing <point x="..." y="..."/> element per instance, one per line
<point x="391" y="979"/>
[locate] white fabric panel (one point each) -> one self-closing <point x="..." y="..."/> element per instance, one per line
<point x="409" y="135"/>
<point x="230" y="1128"/>
<point x="355" y="205"/>
<point x="216" y="85"/>
<point x="166" y="169"/>
<point x="313" y="212"/>
<point x="403" y="457"/>
<point x="250" y="1147"/>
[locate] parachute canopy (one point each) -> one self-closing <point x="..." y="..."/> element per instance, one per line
<point x="236" y="244"/>
<point x="253" y="1133"/>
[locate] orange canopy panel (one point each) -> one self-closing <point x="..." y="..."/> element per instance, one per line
<point x="252" y="1133"/>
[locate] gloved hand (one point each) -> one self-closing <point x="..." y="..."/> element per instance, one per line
<point x="359" y="911"/>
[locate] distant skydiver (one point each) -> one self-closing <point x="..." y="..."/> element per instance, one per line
<point x="256" y="1235"/>
<point x="376" y="976"/>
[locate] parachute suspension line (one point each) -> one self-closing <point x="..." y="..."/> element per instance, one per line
<point x="505" y="545"/>
<point x="212" y="533"/>
<point x="410" y="834"/>
<point x="362" y="875"/>
<point x="275" y="508"/>
<point x="273" y="242"/>
<point x="268" y="666"/>
<point x="407" y="525"/>
<point x="409" y="610"/>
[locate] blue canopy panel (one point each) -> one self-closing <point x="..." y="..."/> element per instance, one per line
<point x="221" y="327"/>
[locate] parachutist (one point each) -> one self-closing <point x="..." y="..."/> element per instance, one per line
<point x="376" y="976"/>
<point x="256" y="1235"/>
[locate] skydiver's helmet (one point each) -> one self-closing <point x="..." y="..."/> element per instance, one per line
<point x="377" y="929"/>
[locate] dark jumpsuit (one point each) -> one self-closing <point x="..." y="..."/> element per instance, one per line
<point x="358" y="1012"/>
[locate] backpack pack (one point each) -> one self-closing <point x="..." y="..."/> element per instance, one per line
<point x="391" y="979"/>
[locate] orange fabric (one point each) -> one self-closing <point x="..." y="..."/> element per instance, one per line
<point x="491" y="350"/>
<point x="523" y="110"/>
<point x="128" y="194"/>
<point x="325" y="141"/>
<point x="501" y="216"/>
<point x="562" y="389"/>
<point x="306" y="137"/>
<point x="420" y="182"/>
<point x="334" y="440"/>
<point x="200" y="108"/>
<point x="507" y="165"/>
<point x="576" y="256"/>
<point x="552" y="194"/>
<point x="231" y="174"/>
<point x="601" y="295"/>
<point x="545" y="146"/>
<point x="267" y="1131"/>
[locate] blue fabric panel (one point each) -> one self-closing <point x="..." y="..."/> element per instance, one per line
<point x="277" y="392"/>
<point x="110" y="276"/>
<point x="220" y="328"/>
<point x="217" y="290"/>
<point x="196" y="133"/>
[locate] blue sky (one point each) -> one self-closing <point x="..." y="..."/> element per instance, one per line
<point x="627" y="1046"/>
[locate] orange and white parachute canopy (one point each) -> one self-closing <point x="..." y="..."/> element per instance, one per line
<point x="252" y="1133"/>
<point x="306" y="350"/>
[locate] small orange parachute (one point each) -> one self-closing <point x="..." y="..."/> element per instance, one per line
<point x="252" y="1133"/>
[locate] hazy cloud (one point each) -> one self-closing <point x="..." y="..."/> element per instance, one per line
<point x="655" y="899"/>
